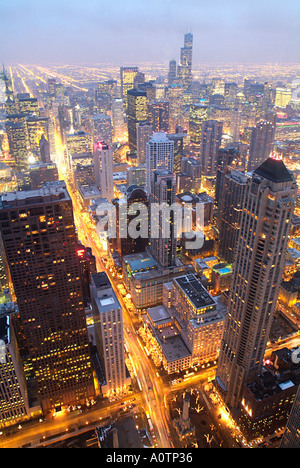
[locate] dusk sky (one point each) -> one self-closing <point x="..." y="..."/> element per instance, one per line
<point x="122" y="31"/>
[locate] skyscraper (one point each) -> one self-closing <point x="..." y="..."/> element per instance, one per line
<point x="137" y="112"/>
<point x="14" y="405"/>
<point x="172" y="72"/>
<point x="198" y="113"/>
<point x="261" y="143"/>
<point x="118" y="119"/>
<point x="159" y="155"/>
<point x="18" y="141"/>
<point x="211" y="137"/>
<point x="103" y="165"/>
<point x="291" y="436"/>
<point x="235" y="184"/>
<point x="127" y="75"/>
<point x="125" y="243"/>
<point x="108" y="320"/>
<point x="163" y="242"/>
<point x="39" y="238"/>
<point x="144" y="132"/>
<point x="159" y="115"/>
<point x="102" y="128"/>
<point x="185" y="66"/>
<point x="265" y="224"/>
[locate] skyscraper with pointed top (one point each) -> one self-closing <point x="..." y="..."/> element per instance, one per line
<point x="184" y="69"/>
<point x="260" y="256"/>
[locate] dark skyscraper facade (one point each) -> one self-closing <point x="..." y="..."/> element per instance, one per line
<point x="261" y="143"/>
<point x="211" y="137"/>
<point x="291" y="436"/>
<point x="231" y="208"/>
<point x="39" y="238"/>
<point x="172" y="71"/>
<point x="137" y="112"/>
<point x="163" y="243"/>
<point x="185" y="66"/>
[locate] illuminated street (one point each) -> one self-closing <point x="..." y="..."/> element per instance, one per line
<point x="149" y="227"/>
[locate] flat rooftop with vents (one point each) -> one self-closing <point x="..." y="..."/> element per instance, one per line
<point x="195" y="292"/>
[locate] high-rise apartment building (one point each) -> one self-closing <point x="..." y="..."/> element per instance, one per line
<point x="108" y="323"/>
<point x="163" y="240"/>
<point x="102" y="128"/>
<point x="260" y="257"/>
<point x="103" y="169"/>
<point x="159" y="155"/>
<point x="144" y="132"/>
<point x="231" y="208"/>
<point x="211" y="138"/>
<point x="159" y="115"/>
<point x="136" y="113"/>
<point x="261" y="143"/>
<point x="189" y="179"/>
<point x="38" y="234"/>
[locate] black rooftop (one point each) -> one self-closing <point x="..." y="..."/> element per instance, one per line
<point x="195" y="291"/>
<point x="274" y="170"/>
<point x="100" y="279"/>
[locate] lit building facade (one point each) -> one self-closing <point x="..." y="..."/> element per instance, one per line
<point x="261" y="144"/>
<point x="127" y="75"/>
<point x="103" y="169"/>
<point x="211" y="138"/>
<point x="39" y="238"/>
<point x="159" y="155"/>
<point x="198" y="114"/>
<point x="136" y="113"/>
<point x="14" y="405"/>
<point x="102" y="128"/>
<point x="291" y="436"/>
<point x="233" y="194"/>
<point x="163" y="243"/>
<point x="108" y="323"/>
<point x="260" y="257"/>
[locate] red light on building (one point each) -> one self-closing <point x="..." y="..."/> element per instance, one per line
<point x="80" y="252"/>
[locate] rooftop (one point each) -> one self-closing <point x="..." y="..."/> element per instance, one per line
<point x="140" y="262"/>
<point x="49" y="192"/>
<point x="194" y="290"/>
<point x="100" y="279"/>
<point x="274" y="170"/>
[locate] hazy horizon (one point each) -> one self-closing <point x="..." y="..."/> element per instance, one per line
<point x="119" y="32"/>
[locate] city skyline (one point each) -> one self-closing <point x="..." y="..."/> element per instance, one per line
<point x="114" y="32"/>
<point x="150" y="225"/>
